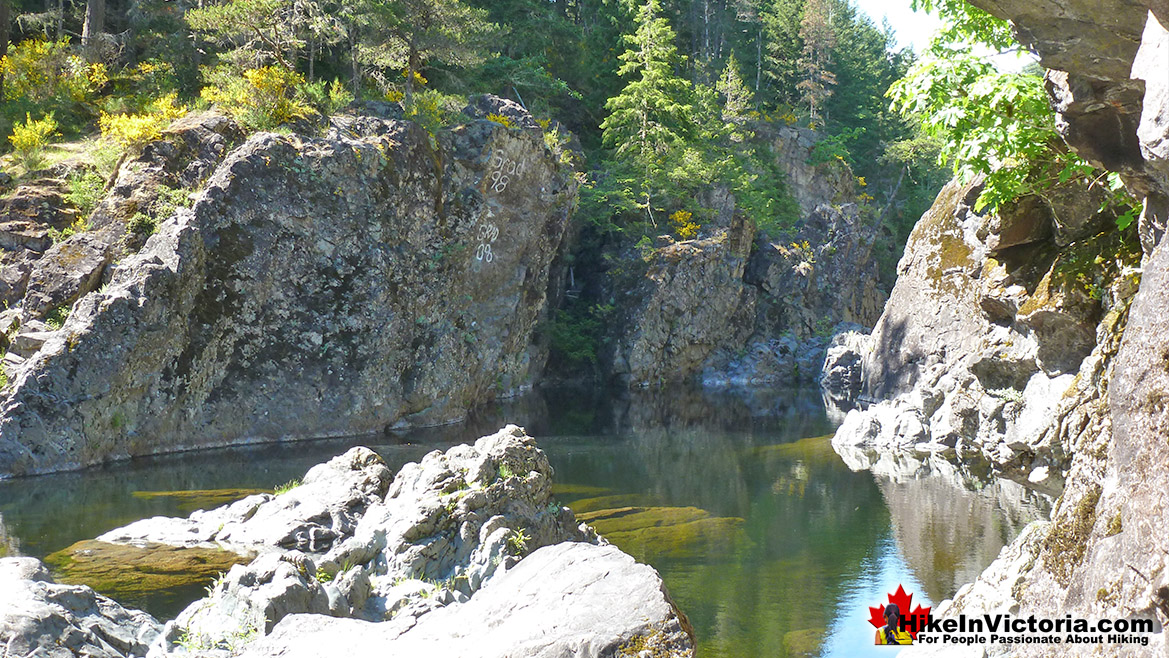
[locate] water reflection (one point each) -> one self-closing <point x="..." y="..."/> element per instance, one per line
<point x="949" y="520"/>
<point x="766" y="538"/>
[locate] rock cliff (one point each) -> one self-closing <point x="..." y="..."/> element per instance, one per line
<point x="1103" y="553"/>
<point x="737" y="308"/>
<point x="318" y="286"/>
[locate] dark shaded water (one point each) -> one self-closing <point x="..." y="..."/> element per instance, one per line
<point x="765" y="538"/>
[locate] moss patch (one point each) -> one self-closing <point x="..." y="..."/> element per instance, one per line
<point x="1114" y="526"/>
<point x="652" y="644"/>
<point x="189" y="501"/>
<point x="805" y="643"/>
<point x="578" y="490"/>
<point x="608" y="503"/>
<point x="1068" y="541"/>
<point x="650" y="533"/>
<point x="156" y="577"/>
<point x="814" y="450"/>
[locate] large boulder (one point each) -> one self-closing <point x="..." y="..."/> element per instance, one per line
<point x="318" y="287"/>
<point x="348" y="543"/>
<point x="1000" y="356"/>
<point x="571" y="599"/>
<point x="41" y="618"/>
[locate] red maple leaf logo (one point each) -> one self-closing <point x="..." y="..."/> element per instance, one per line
<point x="902" y="601"/>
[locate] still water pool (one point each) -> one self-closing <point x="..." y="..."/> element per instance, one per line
<point x="766" y="539"/>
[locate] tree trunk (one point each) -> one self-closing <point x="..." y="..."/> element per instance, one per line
<point x="5" y="15"/>
<point x="411" y="66"/>
<point x="95" y="22"/>
<point x="312" y="52"/>
<point x="356" y="66"/>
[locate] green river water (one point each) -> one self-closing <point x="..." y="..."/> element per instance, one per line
<point x="766" y="539"/>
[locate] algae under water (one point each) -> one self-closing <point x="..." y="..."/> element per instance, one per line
<point x="766" y="539"/>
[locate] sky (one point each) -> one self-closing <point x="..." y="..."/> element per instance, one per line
<point x="912" y="28"/>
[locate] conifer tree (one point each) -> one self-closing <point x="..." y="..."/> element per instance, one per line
<point x="736" y="98"/>
<point x="650" y="120"/>
<point x="819" y="39"/>
<point x="405" y="34"/>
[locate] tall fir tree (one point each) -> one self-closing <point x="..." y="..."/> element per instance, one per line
<point x="819" y="37"/>
<point x="651" y="119"/>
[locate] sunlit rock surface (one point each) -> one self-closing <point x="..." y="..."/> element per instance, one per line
<point x="351" y="542"/>
<point x="41" y="618"/>
<point x="317" y="287"/>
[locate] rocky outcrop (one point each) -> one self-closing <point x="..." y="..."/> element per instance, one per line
<point x="1106" y="74"/>
<point x="570" y="599"/>
<point x="41" y="618"/>
<point x="736" y="309"/>
<point x="317" y="287"/>
<point x="1000" y="356"/>
<point x="464" y="548"/>
<point x="1103" y="553"/>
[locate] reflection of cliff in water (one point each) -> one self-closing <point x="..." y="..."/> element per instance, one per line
<point x="949" y="522"/>
<point x="9" y="545"/>
<point x="806" y="520"/>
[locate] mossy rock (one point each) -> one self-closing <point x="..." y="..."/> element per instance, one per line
<point x="814" y="450"/>
<point x="803" y="643"/>
<point x="649" y="533"/>
<point x="602" y="503"/>
<point x="578" y="490"/>
<point x="159" y="578"/>
<point x="194" y="499"/>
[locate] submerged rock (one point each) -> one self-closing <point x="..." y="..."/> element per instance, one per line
<point x="352" y="543"/>
<point x="41" y="618"/>
<point x="667" y="532"/>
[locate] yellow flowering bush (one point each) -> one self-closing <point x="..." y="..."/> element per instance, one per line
<point x="39" y="70"/>
<point x="30" y="139"/>
<point x="684" y="226"/>
<point x="130" y="130"/>
<point x="501" y="120"/>
<point x="264" y="98"/>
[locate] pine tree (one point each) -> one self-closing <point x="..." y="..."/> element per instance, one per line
<point x="650" y="120"/>
<point x="781" y="47"/>
<point x="736" y="98"/>
<point x="405" y="34"/>
<point x="819" y="39"/>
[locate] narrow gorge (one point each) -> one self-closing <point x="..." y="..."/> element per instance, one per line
<point x="664" y="362"/>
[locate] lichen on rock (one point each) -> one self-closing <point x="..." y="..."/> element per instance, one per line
<point x="317" y="287"/>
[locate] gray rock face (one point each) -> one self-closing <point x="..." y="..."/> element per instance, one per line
<point x="41" y="618"/>
<point x="737" y="310"/>
<point x="571" y="599"/>
<point x="1001" y="358"/>
<point x="692" y="300"/>
<point x="812" y="186"/>
<point x="843" y="374"/>
<point x="1106" y="64"/>
<point x="68" y="270"/>
<point x="1103" y="554"/>
<point x="349" y="543"/>
<point x="317" y="287"/>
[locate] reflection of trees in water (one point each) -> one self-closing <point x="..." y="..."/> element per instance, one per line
<point x="950" y="524"/>
<point x="810" y="522"/>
